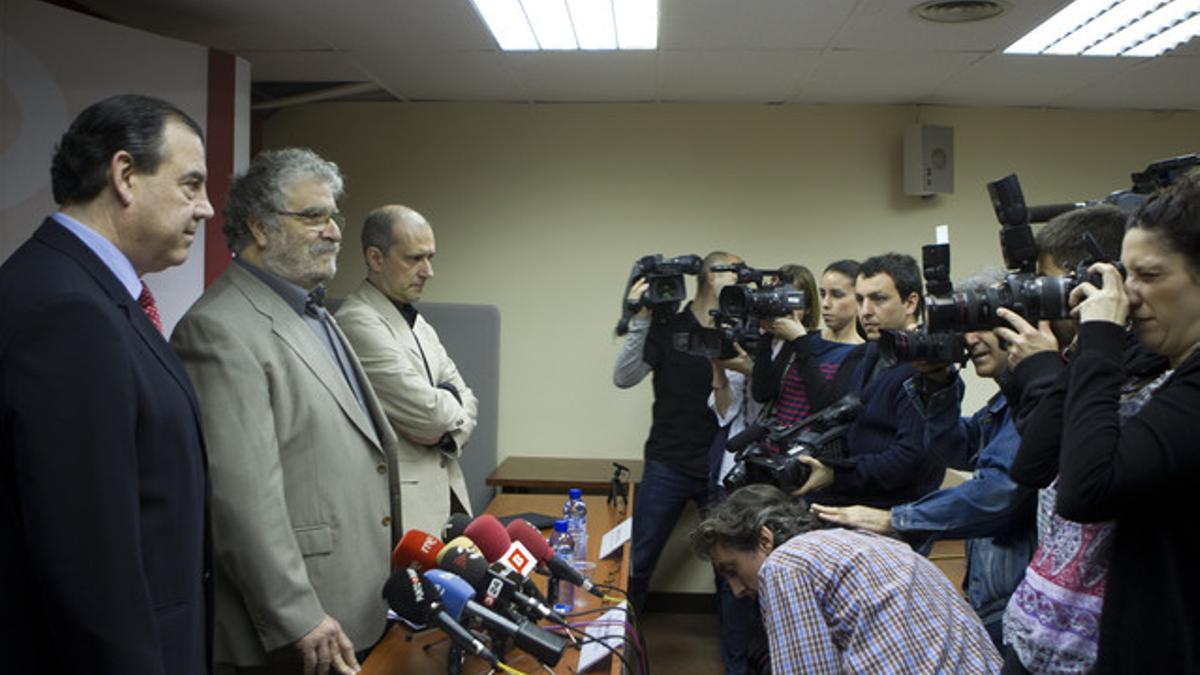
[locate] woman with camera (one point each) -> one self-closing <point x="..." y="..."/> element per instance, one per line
<point x="1141" y="471"/>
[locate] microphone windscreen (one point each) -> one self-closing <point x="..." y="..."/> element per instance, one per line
<point x="455" y="526"/>
<point x="461" y="542"/>
<point x="416" y="549"/>
<point x="520" y="530"/>
<point x="751" y="434"/>
<point x="467" y="564"/>
<point x="408" y="595"/>
<point x="454" y="592"/>
<point x="489" y="535"/>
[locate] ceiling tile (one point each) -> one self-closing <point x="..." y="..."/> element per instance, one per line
<point x="859" y="76"/>
<point x="442" y="76"/>
<point x="586" y="76"/>
<point x="750" y="24"/>
<point x="1140" y="87"/>
<point x="1025" y="80"/>
<point x="231" y="25"/>
<point x="435" y="25"/>
<point x="887" y="25"/>
<point x="693" y="75"/>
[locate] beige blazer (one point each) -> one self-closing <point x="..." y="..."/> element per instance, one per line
<point x="414" y="405"/>
<point x="304" y="505"/>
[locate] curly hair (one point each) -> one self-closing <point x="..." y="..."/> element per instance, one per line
<point x="257" y="194"/>
<point x="737" y="522"/>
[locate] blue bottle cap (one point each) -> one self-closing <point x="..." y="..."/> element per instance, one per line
<point x="560" y="525"/>
<point x="574" y="493"/>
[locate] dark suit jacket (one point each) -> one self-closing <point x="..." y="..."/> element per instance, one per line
<point x="103" y="478"/>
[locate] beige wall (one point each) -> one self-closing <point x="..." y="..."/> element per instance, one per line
<point x="541" y="210"/>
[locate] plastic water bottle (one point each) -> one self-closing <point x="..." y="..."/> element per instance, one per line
<point x="564" y="547"/>
<point x="575" y="513"/>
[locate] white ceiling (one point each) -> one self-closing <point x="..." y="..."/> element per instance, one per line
<point x="767" y="51"/>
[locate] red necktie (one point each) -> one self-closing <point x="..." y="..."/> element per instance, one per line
<point x="146" y="300"/>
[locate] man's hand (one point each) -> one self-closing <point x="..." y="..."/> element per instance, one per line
<point x="936" y="372"/>
<point x="783" y="327"/>
<point x="820" y="478"/>
<point x="635" y="295"/>
<point x="1023" y="339"/>
<point x="1101" y="304"/>
<point x="327" y="649"/>
<point x="742" y="363"/>
<point x="861" y="517"/>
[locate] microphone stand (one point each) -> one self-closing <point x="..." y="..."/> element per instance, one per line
<point x="454" y="660"/>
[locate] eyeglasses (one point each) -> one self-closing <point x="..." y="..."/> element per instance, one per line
<point x="316" y="217"/>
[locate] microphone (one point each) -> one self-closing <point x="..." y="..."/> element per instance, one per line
<point x="416" y="549"/>
<point x="525" y="533"/>
<point x="462" y="541"/>
<point x="417" y="601"/>
<point x="489" y="535"/>
<point x="455" y="526"/>
<point x="497" y="585"/>
<point x="458" y="596"/>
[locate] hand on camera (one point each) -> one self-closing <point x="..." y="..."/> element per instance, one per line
<point x="1023" y="339"/>
<point x="742" y="363"/>
<point x="860" y="517"/>
<point x="1101" y="304"/>
<point x="936" y="372"/>
<point x="820" y="478"/>
<point x="635" y="295"/>
<point x="783" y="327"/>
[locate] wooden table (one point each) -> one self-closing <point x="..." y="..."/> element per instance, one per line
<point x="559" y="474"/>
<point x="425" y="653"/>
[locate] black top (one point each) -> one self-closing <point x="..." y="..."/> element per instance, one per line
<point x="1144" y="475"/>
<point x="683" y="427"/>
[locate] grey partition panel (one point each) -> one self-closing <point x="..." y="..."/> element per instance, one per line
<point x="471" y="334"/>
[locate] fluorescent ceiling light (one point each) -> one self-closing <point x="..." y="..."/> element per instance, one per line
<point x="551" y="23"/>
<point x="594" y="25"/>
<point x="506" y="20"/>
<point x="1113" y="28"/>
<point x="530" y="25"/>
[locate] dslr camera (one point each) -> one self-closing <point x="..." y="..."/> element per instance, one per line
<point x="821" y="435"/>
<point x="910" y="345"/>
<point x="666" y="286"/>
<point x="1023" y="291"/>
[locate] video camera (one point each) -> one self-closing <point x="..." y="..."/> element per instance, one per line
<point x="717" y="342"/>
<point x="769" y="300"/>
<point x="666" y="287"/>
<point x="821" y="435"/>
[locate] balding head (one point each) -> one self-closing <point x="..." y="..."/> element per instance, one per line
<point x="398" y="246"/>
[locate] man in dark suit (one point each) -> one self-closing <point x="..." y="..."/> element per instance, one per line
<point x="103" y="479"/>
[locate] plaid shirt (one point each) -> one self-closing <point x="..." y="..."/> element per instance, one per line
<point x="844" y="601"/>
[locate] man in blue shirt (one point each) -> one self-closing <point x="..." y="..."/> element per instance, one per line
<point x="989" y="508"/>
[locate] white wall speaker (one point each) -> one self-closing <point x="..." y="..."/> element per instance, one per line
<point x="928" y="160"/>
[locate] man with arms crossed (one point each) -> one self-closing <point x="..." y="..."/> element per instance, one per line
<point x="428" y="404"/>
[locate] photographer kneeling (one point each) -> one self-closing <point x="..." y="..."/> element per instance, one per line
<point x="1143" y="471"/>
<point x="839" y="600"/>
<point x="994" y="512"/>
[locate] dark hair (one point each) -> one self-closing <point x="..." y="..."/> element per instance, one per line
<point x="129" y="122"/>
<point x="710" y="260"/>
<point x="1174" y="214"/>
<point x="258" y="193"/>
<point x="803" y="280"/>
<point x="738" y="521"/>
<point x="1062" y="237"/>
<point x="379" y="229"/>
<point x="845" y="267"/>
<point x="903" y="270"/>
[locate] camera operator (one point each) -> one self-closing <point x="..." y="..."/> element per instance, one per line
<point x="1134" y="459"/>
<point x="836" y="600"/>
<point x="990" y="509"/>
<point x="779" y="379"/>
<point x="1038" y="640"/>
<point x="887" y="463"/>
<point x="682" y="429"/>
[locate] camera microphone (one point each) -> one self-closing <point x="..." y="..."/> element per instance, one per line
<point x="533" y="540"/>
<point x="418" y="602"/>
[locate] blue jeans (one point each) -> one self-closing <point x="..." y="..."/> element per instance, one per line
<point x="660" y="498"/>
